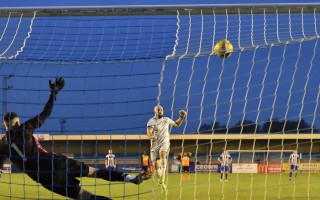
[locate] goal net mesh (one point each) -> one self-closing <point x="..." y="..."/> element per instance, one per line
<point x="261" y="103"/>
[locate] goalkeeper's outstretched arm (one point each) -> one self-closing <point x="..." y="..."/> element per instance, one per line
<point x="39" y="120"/>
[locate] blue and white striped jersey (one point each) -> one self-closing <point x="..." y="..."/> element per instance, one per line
<point x="294" y="159"/>
<point x="224" y="158"/>
<point x="111" y="160"/>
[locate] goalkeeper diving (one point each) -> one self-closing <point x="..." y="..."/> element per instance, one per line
<point x="53" y="171"/>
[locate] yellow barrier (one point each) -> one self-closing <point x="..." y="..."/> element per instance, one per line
<point x="304" y="167"/>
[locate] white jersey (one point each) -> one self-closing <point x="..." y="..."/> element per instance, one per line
<point x="111" y="160"/>
<point x="294" y="159"/>
<point x="160" y="131"/>
<point x="224" y="158"/>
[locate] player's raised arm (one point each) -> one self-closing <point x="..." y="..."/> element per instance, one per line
<point x="179" y="121"/>
<point x="38" y="120"/>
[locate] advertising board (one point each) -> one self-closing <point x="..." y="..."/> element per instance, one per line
<point x="269" y="167"/>
<point x="244" y="168"/>
<point x="206" y="168"/>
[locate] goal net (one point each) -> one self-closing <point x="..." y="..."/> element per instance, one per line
<point x="260" y="103"/>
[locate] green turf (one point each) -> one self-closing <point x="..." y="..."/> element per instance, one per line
<point x="201" y="186"/>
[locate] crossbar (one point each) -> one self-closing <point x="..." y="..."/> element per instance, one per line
<point x="263" y="8"/>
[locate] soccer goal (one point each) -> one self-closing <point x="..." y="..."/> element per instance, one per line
<point x="260" y="102"/>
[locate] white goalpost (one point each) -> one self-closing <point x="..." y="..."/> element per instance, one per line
<point x="260" y="102"/>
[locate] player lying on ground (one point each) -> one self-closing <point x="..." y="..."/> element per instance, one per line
<point x="53" y="171"/>
<point x="294" y="162"/>
<point x="158" y="133"/>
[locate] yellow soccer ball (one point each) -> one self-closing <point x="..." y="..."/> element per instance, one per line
<point x="223" y="49"/>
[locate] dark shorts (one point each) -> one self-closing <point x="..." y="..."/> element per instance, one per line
<point x="145" y="168"/>
<point x="57" y="173"/>
<point x="294" y="167"/>
<point x="185" y="168"/>
<point x="112" y="169"/>
<point x="224" y="168"/>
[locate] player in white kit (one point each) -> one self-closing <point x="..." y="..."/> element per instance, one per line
<point x="158" y="132"/>
<point x="294" y="162"/>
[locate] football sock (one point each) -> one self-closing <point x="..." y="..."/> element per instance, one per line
<point x="163" y="166"/>
<point x="128" y="178"/>
<point x="159" y="172"/>
<point x="110" y="175"/>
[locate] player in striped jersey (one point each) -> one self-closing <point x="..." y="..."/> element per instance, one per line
<point x="110" y="161"/>
<point x="224" y="159"/>
<point x="294" y="162"/>
<point x="158" y="132"/>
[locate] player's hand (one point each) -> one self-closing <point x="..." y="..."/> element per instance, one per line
<point x="57" y="85"/>
<point x="183" y="114"/>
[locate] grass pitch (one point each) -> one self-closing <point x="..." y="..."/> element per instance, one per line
<point x="201" y="186"/>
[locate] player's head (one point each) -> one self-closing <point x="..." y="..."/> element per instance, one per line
<point x="158" y="111"/>
<point x="144" y="152"/>
<point x="110" y="151"/>
<point x="295" y="151"/>
<point x="10" y="119"/>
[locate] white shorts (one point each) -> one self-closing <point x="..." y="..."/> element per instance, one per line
<point x="155" y="152"/>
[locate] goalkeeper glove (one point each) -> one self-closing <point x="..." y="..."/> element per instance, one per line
<point x="183" y="114"/>
<point x="56" y="86"/>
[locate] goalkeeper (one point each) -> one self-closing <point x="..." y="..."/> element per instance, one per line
<point x="55" y="172"/>
<point x="158" y="132"/>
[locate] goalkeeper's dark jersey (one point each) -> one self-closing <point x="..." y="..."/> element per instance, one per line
<point x="20" y="146"/>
